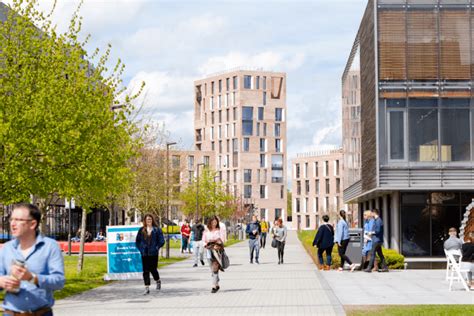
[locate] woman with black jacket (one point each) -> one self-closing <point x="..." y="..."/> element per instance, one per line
<point x="149" y="241"/>
<point x="324" y="240"/>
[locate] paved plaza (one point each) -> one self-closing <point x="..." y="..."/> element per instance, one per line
<point x="294" y="288"/>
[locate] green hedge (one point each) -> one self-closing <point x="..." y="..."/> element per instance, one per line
<point x="392" y="257"/>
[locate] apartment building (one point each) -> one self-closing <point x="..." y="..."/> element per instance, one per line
<point x="408" y="116"/>
<point x="240" y="116"/>
<point x="317" y="185"/>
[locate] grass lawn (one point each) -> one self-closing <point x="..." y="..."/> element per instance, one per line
<point x="402" y="310"/>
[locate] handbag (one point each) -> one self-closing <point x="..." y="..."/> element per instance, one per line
<point x="225" y="260"/>
<point x="274" y="243"/>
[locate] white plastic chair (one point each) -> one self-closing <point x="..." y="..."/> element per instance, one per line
<point x="456" y="273"/>
<point x="456" y="253"/>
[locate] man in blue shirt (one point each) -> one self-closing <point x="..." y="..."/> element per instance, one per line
<point x="377" y="242"/>
<point x="31" y="265"/>
<point x="254" y="230"/>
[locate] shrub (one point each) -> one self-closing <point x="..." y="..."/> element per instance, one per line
<point x="392" y="257"/>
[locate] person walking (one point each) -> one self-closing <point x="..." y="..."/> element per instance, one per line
<point x="31" y="265"/>
<point x="265" y="226"/>
<point x="185" y="234"/>
<point x="280" y="233"/>
<point x="324" y="240"/>
<point x="198" y="244"/>
<point x="377" y="242"/>
<point x="368" y="229"/>
<point x="254" y="230"/>
<point x="342" y="240"/>
<point x="149" y="241"/>
<point x="213" y="240"/>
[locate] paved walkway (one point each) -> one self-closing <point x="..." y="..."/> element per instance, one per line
<point x="398" y="287"/>
<point x="294" y="288"/>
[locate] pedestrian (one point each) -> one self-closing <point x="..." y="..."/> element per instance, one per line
<point x="377" y="242"/>
<point x="198" y="231"/>
<point x="254" y="230"/>
<point x="324" y="240"/>
<point x="265" y="227"/>
<point x="213" y="241"/>
<point x="149" y="241"/>
<point x="31" y="265"/>
<point x="280" y="233"/>
<point x="342" y="240"/>
<point x="467" y="261"/>
<point x="368" y="229"/>
<point x="185" y="234"/>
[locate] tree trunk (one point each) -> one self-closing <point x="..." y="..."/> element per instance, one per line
<point x="80" y="261"/>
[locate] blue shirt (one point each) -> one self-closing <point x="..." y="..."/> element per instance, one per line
<point x="378" y="230"/>
<point x="368" y="228"/>
<point x="46" y="261"/>
<point x="342" y="231"/>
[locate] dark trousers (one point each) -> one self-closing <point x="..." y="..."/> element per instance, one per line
<point x="342" y="252"/>
<point x="328" y="255"/>
<point x="263" y="240"/>
<point x="150" y="264"/>
<point x="281" y="250"/>
<point x="184" y="243"/>
<point x="376" y="248"/>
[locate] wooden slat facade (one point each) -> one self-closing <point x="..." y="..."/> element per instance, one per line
<point x="392" y="45"/>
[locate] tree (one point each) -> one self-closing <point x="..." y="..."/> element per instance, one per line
<point x="58" y="134"/>
<point x="212" y="197"/>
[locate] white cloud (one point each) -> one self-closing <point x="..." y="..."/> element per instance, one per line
<point x="268" y="60"/>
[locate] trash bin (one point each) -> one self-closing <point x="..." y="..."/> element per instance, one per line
<point x="356" y="243"/>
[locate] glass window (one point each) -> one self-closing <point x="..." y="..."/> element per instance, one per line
<point x="278" y="145"/>
<point x="247" y="113"/>
<point x="235" y="145"/>
<point x="246" y="144"/>
<point x="258" y="129"/>
<point x="264" y="83"/>
<point x="247" y="191"/>
<point x="264" y="98"/>
<point x="247" y="175"/>
<point x="247" y="128"/>
<point x="277" y="130"/>
<point x="307" y="221"/>
<point x="212" y="87"/>
<point x="455" y="131"/>
<point x="297" y="205"/>
<point x="338" y="185"/>
<point x="278" y="115"/>
<point x="282" y="192"/>
<point x="263" y="191"/>
<point x="260" y="113"/>
<point x="247" y="120"/>
<point x="317" y="186"/>
<point x="396" y="135"/>
<point x="263" y="145"/>
<point x="298" y="187"/>
<point x="277" y="213"/>
<point x="234" y="113"/>
<point x="227" y="84"/>
<point x="277" y="176"/>
<point x="307" y="186"/>
<point x="220" y="86"/>
<point x="396" y="103"/>
<point x="190" y="162"/>
<point x="264" y="129"/>
<point x="257" y="82"/>
<point x="247" y="82"/>
<point x="297" y="170"/>
<point x="234" y="82"/>
<point x="263" y="161"/>
<point x="327" y="186"/>
<point x="423" y="127"/>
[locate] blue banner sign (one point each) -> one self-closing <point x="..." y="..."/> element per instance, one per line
<point x="123" y="258"/>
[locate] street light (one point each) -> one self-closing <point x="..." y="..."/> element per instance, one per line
<point x="168" y="144"/>
<point x="197" y="189"/>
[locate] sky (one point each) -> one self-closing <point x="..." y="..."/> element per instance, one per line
<point x="170" y="43"/>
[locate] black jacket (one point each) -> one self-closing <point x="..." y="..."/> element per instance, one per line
<point x="151" y="245"/>
<point x="324" y="237"/>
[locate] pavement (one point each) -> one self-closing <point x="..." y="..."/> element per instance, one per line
<point x="398" y="287"/>
<point x="293" y="288"/>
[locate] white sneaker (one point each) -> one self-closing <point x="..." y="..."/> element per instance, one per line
<point x="147" y="291"/>
<point x="353" y="266"/>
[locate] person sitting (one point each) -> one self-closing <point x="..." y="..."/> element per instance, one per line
<point x="100" y="236"/>
<point x="453" y="242"/>
<point x="87" y="236"/>
<point x="77" y="238"/>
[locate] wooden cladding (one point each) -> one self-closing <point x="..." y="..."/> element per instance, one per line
<point x="425" y="94"/>
<point x="424" y="44"/>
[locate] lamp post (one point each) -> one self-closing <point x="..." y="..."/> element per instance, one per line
<point x="168" y="144"/>
<point x="197" y="189"/>
<point x="71" y="206"/>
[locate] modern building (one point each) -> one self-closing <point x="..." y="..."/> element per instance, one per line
<point x="317" y="182"/>
<point x="241" y="117"/>
<point x="408" y="119"/>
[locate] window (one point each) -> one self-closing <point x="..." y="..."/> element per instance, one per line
<point x="190" y="162"/>
<point x="235" y="159"/>
<point x="212" y="145"/>
<point x="396" y="140"/>
<point x="235" y="145"/>
<point x="277" y="168"/>
<point x="326" y="168"/>
<point x="234" y="127"/>
<point x="234" y="82"/>
<point x="219" y="101"/>
<point x="277" y="131"/>
<point x="234" y="113"/>
<point x="212" y="103"/>
<point x="279" y="115"/>
<point x="327" y="186"/>
<point x="326" y="204"/>
<point x="220" y="116"/>
<point x="228" y="145"/>
<point x="212" y="87"/>
<point x="307" y="186"/>
<point x="316" y="173"/>
<point x="190" y="176"/>
<point x="227" y="84"/>
<point x="257" y="82"/>
<point x="423" y="144"/>
<point x="257" y="130"/>
<point x="263" y="160"/>
<point x="264" y="101"/>
<point x="298" y="187"/>
<point x="258" y="175"/>
<point x="263" y="191"/>
<point x="247" y="121"/>
<point x="263" y="213"/>
<point x="297" y="205"/>
<point x="235" y="175"/>
<point x="246" y="144"/>
<point x="247" y="175"/>
<point x="260" y="113"/>
<point x="247" y="82"/>
<point x="277" y="213"/>
<point x="338" y="185"/>
<point x="247" y="191"/>
<point x="305" y="169"/>
<point x="227" y="115"/>
<point x="307" y="221"/>
<point x="282" y="192"/>
<point x="265" y="176"/>
<point x="219" y="132"/>
<point x="316" y="204"/>
<point x="212" y="117"/>
<point x="233" y="98"/>
<point x="220" y="147"/>
<point x="278" y="145"/>
<point x="264" y="129"/>
<point x="336" y="168"/>
<point x="455" y="130"/>
<point x="264" y="83"/>
<point x="220" y="86"/>
<point x="206" y="161"/>
<point x="263" y="145"/>
<point x="212" y="133"/>
<point x="297" y="170"/>
<point x="226" y="100"/>
<point x="317" y="186"/>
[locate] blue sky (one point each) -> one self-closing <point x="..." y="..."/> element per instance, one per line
<point x="168" y="44"/>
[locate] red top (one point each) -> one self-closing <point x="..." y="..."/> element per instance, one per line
<point x="186" y="230"/>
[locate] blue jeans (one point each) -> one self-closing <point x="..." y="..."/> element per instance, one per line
<point x="45" y="314"/>
<point x="328" y="255"/>
<point x="254" y="245"/>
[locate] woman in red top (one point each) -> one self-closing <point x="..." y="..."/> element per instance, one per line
<point x="185" y="234"/>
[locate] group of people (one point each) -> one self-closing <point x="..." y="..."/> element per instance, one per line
<point x="257" y="234"/>
<point x="465" y="248"/>
<point x="326" y="237"/>
<point x="88" y="236"/>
